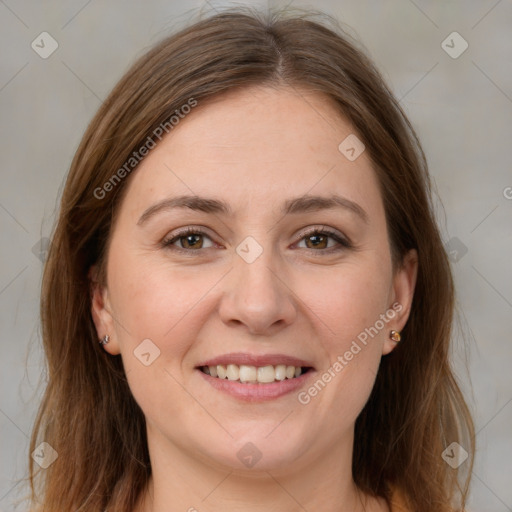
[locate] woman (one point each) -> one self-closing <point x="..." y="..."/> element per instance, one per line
<point x="246" y="303"/>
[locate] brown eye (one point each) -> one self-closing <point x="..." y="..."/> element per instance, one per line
<point x="320" y="240"/>
<point x="193" y="241"/>
<point x="190" y="239"/>
<point x="317" y="241"/>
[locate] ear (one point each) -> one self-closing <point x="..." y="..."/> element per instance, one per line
<point x="404" y="283"/>
<point x="100" y="310"/>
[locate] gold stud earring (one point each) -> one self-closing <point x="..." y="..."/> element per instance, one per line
<point x="395" y="336"/>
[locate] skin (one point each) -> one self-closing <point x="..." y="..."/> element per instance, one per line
<point x="254" y="149"/>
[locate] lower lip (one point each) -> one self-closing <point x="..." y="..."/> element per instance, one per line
<point x="257" y="392"/>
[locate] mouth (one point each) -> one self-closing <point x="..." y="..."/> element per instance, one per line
<point x="249" y="374"/>
<point x="255" y="378"/>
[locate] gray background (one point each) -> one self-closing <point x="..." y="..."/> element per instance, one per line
<point x="461" y="107"/>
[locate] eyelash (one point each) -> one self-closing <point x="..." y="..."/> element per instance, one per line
<point x="343" y="242"/>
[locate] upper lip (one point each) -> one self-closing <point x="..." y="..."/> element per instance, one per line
<point x="240" y="358"/>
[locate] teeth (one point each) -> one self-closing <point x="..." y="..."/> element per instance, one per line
<point x="253" y="374"/>
<point x="233" y="372"/>
<point x="221" y="371"/>
<point x="267" y="374"/>
<point x="280" y="372"/>
<point x="248" y="373"/>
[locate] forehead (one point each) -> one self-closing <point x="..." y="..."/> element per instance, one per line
<point x="253" y="147"/>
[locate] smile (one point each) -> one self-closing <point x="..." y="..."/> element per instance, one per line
<point x="249" y="374"/>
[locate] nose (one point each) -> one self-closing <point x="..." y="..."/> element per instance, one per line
<point x="257" y="296"/>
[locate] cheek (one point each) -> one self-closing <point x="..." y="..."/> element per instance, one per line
<point x="348" y="304"/>
<point x="346" y="300"/>
<point x="160" y="302"/>
<point x="155" y="300"/>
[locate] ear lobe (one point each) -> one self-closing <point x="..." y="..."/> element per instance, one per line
<point x="404" y="284"/>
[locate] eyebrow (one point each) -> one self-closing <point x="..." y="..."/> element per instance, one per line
<point x="302" y="204"/>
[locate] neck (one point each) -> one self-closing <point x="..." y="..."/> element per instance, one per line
<point x="181" y="482"/>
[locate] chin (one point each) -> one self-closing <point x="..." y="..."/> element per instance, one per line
<point x="257" y="452"/>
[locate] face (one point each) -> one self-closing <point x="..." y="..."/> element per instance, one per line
<point x="286" y="264"/>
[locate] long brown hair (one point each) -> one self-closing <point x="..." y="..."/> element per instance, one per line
<point x="88" y="414"/>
